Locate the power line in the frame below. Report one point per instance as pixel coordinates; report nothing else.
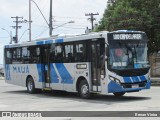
(55, 25)
(22, 35)
(70, 17)
(74, 25)
(41, 33)
(43, 9)
(41, 12)
(76, 22)
(73, 28)
(42, 26)
(50, 21)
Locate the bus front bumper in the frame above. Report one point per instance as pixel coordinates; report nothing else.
(114, 87)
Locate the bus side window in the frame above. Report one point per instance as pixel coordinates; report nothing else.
(38, 55)
(25, 55)
(31, 54)
(69, 53)
(80, 53)
(52, 53)
(17, 55)
(34, 54)
(14, 55)
(8, 56)
(58, 53)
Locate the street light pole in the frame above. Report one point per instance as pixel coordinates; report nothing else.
(10, 34)
(22, 35)
(64, 24)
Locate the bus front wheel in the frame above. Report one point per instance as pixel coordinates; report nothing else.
(119, 94)
(84, 90)
(30, 85)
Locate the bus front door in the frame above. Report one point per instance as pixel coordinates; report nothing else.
(46, 65)
(95, 66)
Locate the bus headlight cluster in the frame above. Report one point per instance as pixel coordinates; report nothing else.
(114, 79)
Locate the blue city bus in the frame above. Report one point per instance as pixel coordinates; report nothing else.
(95, 63)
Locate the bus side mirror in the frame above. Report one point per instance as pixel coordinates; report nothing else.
(107, 51)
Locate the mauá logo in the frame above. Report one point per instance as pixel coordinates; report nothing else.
(20, 69)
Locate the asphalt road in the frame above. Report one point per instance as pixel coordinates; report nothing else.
(15, 98)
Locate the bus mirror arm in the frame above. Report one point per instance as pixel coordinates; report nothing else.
(107, 44)
(106, 58)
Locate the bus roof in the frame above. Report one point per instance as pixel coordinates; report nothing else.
(67, 38)
(59, 39)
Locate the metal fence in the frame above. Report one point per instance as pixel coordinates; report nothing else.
(154, 60)
(155, 64)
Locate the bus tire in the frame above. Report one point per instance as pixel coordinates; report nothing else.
(30, 85)
(119, 94)
(84, 90)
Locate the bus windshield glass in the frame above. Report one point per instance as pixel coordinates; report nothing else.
(128, 54)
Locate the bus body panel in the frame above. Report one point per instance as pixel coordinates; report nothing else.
(64, 76)
(18, 73)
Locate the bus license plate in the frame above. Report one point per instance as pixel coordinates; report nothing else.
(135, 86)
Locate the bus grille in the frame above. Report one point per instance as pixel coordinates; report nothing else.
(129, 85)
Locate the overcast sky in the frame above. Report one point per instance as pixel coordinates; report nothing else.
(63, 12)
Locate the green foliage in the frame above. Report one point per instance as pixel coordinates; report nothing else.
(141, 15)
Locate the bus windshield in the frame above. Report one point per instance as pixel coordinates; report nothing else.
(128, 55)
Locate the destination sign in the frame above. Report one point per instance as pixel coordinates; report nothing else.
(127, 36)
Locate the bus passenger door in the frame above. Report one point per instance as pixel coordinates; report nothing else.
(96, 65)
(46, 65)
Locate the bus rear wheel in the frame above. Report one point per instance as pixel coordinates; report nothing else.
(30, 85)
(119, 94)
(84, 90)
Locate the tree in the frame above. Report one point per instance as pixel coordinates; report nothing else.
(141, 15)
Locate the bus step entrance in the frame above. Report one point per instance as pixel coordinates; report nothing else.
(95, 92)
(47, 88)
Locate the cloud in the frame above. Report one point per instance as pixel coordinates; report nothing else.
(13, 7)
(78, 7)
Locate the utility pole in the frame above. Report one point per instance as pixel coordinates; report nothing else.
(91, 18)
(50, 20)
(30, 37)
(17, 27)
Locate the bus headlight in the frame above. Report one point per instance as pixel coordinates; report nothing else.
(114, 79)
